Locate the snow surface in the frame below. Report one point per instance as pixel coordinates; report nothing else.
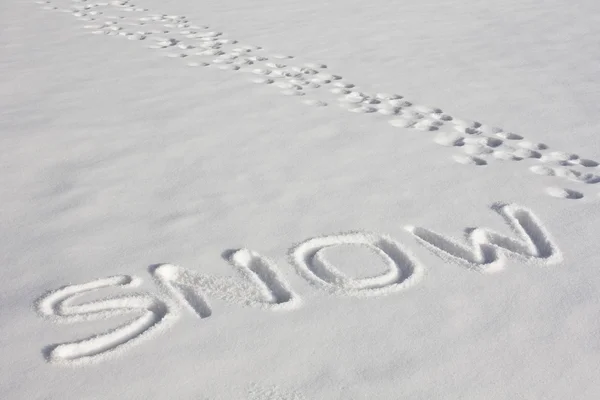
(194, 213)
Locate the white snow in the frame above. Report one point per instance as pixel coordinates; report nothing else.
(293, 200)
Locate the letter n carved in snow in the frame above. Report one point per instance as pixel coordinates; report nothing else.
(260, 285)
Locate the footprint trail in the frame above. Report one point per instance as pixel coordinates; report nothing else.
(200, 46)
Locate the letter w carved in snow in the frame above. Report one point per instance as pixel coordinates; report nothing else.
(260, 286)
(488, 250)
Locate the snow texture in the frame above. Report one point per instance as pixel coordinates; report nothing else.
(263, 200)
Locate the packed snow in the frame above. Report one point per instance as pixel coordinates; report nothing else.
(286, 200)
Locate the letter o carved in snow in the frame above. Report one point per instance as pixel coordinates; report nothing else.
(403, 270)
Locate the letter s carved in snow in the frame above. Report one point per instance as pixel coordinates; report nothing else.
(60, 306)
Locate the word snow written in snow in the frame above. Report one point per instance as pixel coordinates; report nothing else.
(260, 284)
